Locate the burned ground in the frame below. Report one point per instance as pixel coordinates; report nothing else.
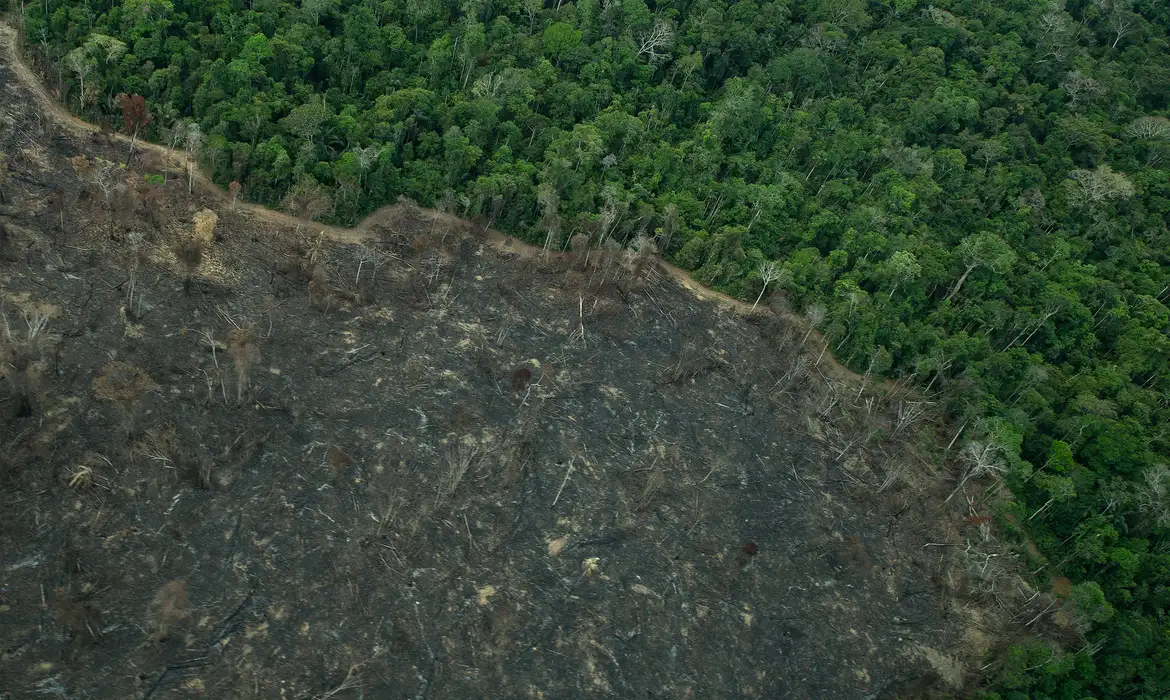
(416, 463)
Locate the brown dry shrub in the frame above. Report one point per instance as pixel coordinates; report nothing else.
(204, 225)
(244, 350)
(604, 307)
(338, 460)
(406, 216)
(189, 252)
(153, 200)
(190, 247)
(520, 378)
(80, 618)
(81, 167)
(641, 263)
(124, 385)
(579, 245)
(167, 609)
(124, 203)
(308, 199)
(320, 297)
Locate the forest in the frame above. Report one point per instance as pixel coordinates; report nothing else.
(968, 197)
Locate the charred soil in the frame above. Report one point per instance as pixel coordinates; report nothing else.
(243, 458)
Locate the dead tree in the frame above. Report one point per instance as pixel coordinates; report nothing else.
(135, 117)
(193, 142)
(769, 272)
(550, 219)
(3, 177)
(234, 190)
(106, 176)
(24, 357)
(671, 222)
(655, 43)
(123, 204)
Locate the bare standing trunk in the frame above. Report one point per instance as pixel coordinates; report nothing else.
(959, 284)
(769, 272)
(133, 141)
(20, 32)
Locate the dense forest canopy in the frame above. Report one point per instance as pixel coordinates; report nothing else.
(971, 195)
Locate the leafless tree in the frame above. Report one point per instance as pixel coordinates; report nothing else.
(352, 680)
(608, 217)
(1120, 19)
(367, 255)
(106, 176)
(488, 85)
(550, 218)
(135, 241)
(1154, 495)
(981, 457)
(670, 226)
(941, 17)
(234, 190)
(460, 457)
(24, 357)
(1080, 87)
(1057, 31)
(320, 296)
(167, 609)
(796, 372)
(1092, 188)
(3, 176)
(193, 141)
(82, 65)
(1149, 128)
(769, 272)
(909, 413)
(655, 42)
(366, 157)
(497, 208)
(878, 362)
(814, 316)
(189, 252)
(308, 200)
(824, 43)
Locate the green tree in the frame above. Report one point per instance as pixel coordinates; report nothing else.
(902, 268)
(306, 121)
(559, 39)
(982, 250)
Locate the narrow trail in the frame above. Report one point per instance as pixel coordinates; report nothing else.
(177, 158)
